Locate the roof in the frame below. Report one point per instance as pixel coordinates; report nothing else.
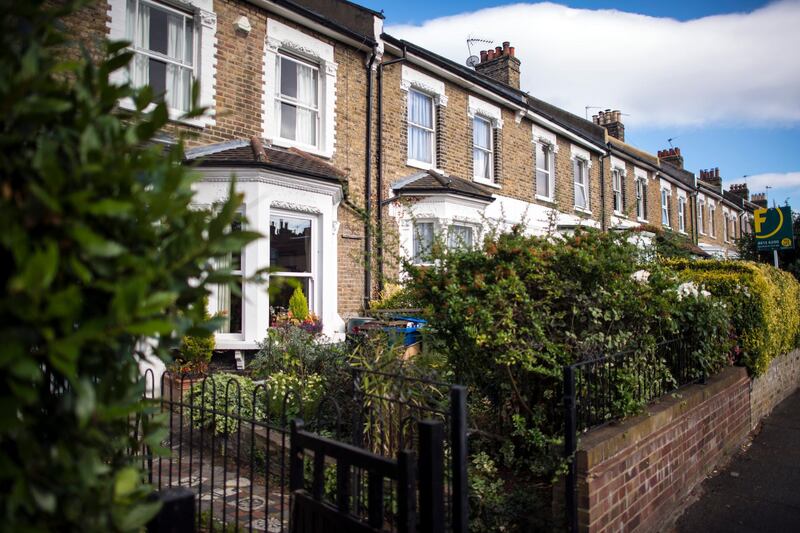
(256, 153)
(432, 182)
(626, 149)
(342, 16)
(573, 123)
(683, 176)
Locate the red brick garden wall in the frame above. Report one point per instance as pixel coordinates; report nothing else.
(634, 476)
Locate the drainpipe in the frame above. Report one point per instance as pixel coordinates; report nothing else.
(603, 187)
(368, 189)
(379, 163)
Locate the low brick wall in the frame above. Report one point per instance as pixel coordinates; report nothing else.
(633, 476)
(778, 382)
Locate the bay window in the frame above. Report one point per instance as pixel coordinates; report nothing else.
(421, 129)
(292, 252)
(581, 179)
(163, 42)
(544, 171)
(297, 100)
(482, 149)
(229, 296)
(422, 242)
(459, 237)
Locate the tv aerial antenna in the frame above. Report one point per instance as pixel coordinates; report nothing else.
(473, 60)
(670, 141)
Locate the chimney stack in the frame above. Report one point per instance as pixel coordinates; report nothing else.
(500, 64)
(740, 190)
(672, 156)
(760, 199)
(711, 177)
(612, 122)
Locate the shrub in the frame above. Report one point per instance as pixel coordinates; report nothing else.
(298, 305)
(764, 304)
(195, 351)
(219, 399)
(101, 250)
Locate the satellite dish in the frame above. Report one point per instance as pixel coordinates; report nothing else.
(472, 61)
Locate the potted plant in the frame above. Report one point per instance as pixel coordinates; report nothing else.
(190, 363)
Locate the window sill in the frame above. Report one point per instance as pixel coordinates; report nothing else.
(618, 214)
(420, 164)
(313, 150)
(546, 199)
(486, 183)
(583, 210)
(174, 114)
(642, 220)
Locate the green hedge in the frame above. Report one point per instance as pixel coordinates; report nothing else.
(764, 304)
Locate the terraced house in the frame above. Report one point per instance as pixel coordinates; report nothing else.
(354, 148)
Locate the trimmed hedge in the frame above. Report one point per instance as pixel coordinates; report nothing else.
(764, 301)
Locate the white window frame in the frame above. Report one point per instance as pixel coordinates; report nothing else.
(432, 130)
(490, 151)
(411, 79)
(641, 198)
(701, 226)
(456, 224)
(725, 226)
(205, 54)
(316, 252)
(214, 296)
(287, 41)
(280, 99)
(681, 213)
(617, 187)
(583, 165)
(414, 238)
(712, 208)
(666, 194)
(548, 152)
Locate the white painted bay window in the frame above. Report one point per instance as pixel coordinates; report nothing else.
(545, 187)
(482, 150)
(422, 242)
(163, 42)
(459, 237)
(581, 179)
(229, 297)
(292, 257)
(421, 128)
(297, 100)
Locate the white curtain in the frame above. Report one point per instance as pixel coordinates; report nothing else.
(423, 240)
(459, 237)
(138, 32)
(542, 171)
(224, 296)
(176, 96)
(580, 185)
(420, 141)
(306, 95)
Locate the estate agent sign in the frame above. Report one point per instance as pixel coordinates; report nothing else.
(773, 228)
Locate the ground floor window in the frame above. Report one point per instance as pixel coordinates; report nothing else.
(292, 253)
(229, 297)
(423, 242)
(459, 237)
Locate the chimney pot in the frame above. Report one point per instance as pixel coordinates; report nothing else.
(506, 44)
(511, 51)
(498, 51)
(484, 55)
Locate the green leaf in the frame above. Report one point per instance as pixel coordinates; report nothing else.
(111, 208)
(85, 401)
(137, 516)
(45, 500)
(95, 245)
(151, 327)
(126, 482)
(38, 271)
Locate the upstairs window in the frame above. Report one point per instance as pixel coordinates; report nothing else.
(544, 171)
(618, 186)
(297, 100)
(459, 237)
(701, 223)
(581, 179)
(682, 214)
(725, 226)
(163, 42)
(421, 129)
(711, 212)
(641, 199)
(665, 211)
(482, 150)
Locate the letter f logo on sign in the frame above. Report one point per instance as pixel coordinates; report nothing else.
(759, 217)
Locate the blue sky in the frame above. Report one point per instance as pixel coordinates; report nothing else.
(721, 78)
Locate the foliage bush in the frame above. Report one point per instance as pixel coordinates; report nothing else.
(298, 305)
(220, 399)
(196, 350)
(764, 303)
(512, 314)
(102, 254)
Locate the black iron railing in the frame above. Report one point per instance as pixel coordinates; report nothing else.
(604, 389)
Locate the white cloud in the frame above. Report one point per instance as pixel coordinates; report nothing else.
(725, 69)
(776, 180)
